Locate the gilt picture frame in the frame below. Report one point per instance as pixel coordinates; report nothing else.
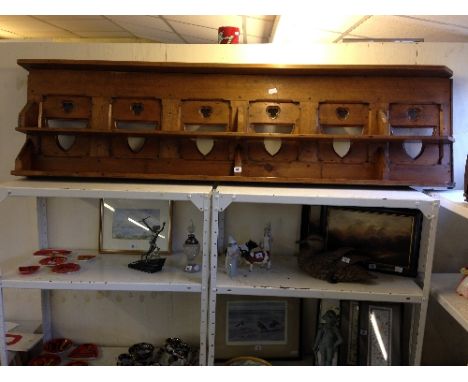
(122, 229)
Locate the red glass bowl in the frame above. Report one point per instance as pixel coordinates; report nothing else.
(28, 270)
(66, 268)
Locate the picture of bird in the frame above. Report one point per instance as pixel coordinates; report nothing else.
(340, 265)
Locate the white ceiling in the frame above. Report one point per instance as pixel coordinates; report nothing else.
(255, 29)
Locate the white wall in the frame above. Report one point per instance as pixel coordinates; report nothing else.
(17, 217)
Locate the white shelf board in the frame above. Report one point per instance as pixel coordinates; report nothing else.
(453, 201)
(105, 272)
(109, 189)
(328, 196)
(285, 279)
(443, 286)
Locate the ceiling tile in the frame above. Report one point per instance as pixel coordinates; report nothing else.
(209, 22)
(192, 31)
(394, 27)
(457, 21)
(151, 22)
(85, 25)
(117, 34)
(259, 29)
(307, 28)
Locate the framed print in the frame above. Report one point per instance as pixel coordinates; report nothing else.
(380, 334)
(124, 225)
(266, 327)
(390, 237)
(349, 323)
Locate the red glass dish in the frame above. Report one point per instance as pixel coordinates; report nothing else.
(52, 252)
(28, 270)
(45, 360)
(84, 351)
(66, 268)
(77, 363)
(85, 257)
(57, 345)
(53, 260)
(15, 338)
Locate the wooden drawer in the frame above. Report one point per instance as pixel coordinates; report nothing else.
(343, 114)
(209, 112)
(136, 109)
(274, 113)
(414, 115)
(66, 107)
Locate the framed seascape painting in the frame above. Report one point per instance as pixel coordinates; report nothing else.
(126, 225)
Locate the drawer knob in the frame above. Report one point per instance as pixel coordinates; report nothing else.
(67, 106)
(206, 111)
(414, 113)
(273, 111)
(137, 108)
(342, 113)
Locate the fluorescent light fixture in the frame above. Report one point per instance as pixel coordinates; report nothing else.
(142, 226)
(109, 207)
(311, 27)
(138, 224)
(376, 329)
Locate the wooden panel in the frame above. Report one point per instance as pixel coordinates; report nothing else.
(288, 152)
(343, 114)
(120, 148)
(51, 148)
(287, 113)
(66, 107)
(136, 109)
(205, 113)
(414, 115)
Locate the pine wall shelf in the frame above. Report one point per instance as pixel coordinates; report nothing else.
(355, 125)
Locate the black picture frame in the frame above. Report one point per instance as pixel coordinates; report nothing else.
(349, 325)
(231, 342)
(380, 334)
(390, 237)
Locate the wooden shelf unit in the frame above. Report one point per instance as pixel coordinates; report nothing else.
(260, 123)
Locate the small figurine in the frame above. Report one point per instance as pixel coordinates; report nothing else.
(327, 340)
(232, 257)
(153, 251)
(253, 254)
(191, 250)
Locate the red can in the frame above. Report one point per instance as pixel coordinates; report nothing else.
(228, 35)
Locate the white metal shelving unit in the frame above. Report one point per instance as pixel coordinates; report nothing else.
(444, 284)
(108, 273)
(285, 279)
(443, 290)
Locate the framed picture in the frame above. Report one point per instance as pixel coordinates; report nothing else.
(349, 323)
(266, 327)
(390, 237)
(125, 225)
(380, 334)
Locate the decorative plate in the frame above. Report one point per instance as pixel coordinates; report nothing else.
(84, 351)
(52, 252)
(77, 363)
(53, 261)
(247, 361)
(57, 345)
(66, 268)
(14, 338)
(28, 270)
(45, 360)
(85, 257)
